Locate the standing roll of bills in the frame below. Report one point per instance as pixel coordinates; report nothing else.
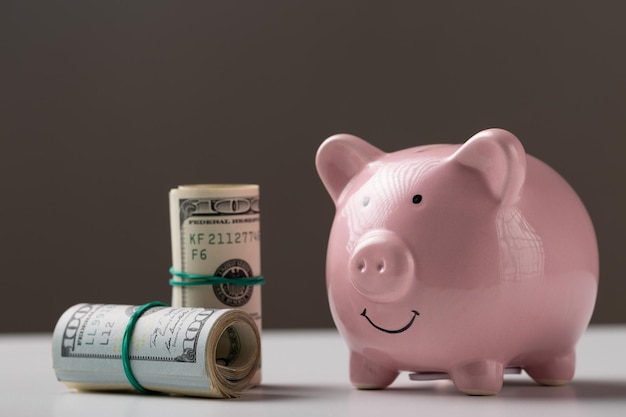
(191, 351)
(215, 231)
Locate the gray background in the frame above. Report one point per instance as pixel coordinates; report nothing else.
(106, 105)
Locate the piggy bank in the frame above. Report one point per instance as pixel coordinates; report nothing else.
(457, 260)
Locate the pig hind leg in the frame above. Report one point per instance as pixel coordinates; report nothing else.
(482, 377)
(558, 370)
(365, 374)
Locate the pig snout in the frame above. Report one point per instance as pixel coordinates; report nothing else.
(381, 266)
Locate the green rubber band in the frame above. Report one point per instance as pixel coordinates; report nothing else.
(196, 279)
(128, 333)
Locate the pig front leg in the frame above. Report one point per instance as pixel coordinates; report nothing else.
(483, 377)
(365, 374)
(558, 370)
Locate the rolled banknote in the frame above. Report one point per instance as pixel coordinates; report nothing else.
(216, 248)
(189, 351)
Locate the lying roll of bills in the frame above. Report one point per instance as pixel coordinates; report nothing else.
(190, 351)
(216, 248)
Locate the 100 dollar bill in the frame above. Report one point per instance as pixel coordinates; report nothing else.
(191, 351)
(215, 231)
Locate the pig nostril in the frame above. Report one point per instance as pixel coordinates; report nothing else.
(380, 266)
(361, 265)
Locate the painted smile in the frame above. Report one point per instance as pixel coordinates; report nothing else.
(415, 314)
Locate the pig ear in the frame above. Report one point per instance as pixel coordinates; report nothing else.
(500, 157)
(341, 157)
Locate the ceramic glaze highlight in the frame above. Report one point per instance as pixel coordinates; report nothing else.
(456, 259)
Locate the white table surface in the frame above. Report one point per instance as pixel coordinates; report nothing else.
(305, 373)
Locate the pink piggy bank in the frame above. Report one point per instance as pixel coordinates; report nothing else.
(463, 261)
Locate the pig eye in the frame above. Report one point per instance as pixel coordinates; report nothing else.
(417, 198)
